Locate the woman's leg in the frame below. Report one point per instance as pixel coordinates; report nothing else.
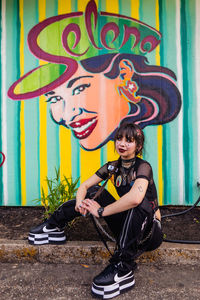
(116, 221)
(52, 230)
(137, 224)
(118, 276)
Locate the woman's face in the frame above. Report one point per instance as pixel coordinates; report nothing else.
(125, 148)
(89, 105)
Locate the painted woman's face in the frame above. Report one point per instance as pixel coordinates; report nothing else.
(89, 105)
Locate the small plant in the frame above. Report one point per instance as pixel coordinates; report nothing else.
(60, 191)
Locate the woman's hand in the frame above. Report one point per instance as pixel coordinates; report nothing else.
(91, 206)
(79, 208)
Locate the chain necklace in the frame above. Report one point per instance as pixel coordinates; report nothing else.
(126, 169)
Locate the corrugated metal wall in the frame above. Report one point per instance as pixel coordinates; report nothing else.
(34, 145)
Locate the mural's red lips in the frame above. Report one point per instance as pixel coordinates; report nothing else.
(84, 127)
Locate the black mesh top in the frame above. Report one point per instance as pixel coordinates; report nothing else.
(124, 178)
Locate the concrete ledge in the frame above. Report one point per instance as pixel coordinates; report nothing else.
(92, 253)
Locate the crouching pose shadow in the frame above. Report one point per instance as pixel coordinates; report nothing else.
(134, 219)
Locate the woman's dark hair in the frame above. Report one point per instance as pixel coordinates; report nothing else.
(132, 132)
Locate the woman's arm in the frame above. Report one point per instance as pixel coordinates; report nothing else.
(131, 199)
(82, 191)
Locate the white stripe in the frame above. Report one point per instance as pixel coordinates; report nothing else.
(180, 116)
(197, 65)
(123, 229)
(4, 99)
(126, 227)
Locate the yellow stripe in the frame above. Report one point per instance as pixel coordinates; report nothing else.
(135, 9)
(82, 5)
(64, 133)
(64, 7)
(112, 6)
(22, 122)
(112, 155)
(160, 169)
(90, 163)
(42, 10)
(43, 117)
(65, 152)
(160, 129)
(89, 160)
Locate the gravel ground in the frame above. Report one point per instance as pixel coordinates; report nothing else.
(71, 282)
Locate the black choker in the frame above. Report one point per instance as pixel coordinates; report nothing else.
(128, 163)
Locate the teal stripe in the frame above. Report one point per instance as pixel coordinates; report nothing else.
(103, 155)
(13, 107)
(53, 143)
(186, 134)
(75, 163)
(1, 168)
(74, 5)
(150, 152)
(195, 118)
(170, 142)
(101, 5)
(147, 15)
(191, 109)
(18, 156)
(125, 7)
(51, 8)
(166, 162)
(31, 112)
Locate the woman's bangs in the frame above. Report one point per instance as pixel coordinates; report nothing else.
(129, 134)
(125, 132)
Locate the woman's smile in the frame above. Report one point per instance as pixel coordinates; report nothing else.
(84, 127)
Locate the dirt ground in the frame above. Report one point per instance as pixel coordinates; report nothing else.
(15, 223)
(73, 282)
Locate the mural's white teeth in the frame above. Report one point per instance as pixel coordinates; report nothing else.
(84, 127)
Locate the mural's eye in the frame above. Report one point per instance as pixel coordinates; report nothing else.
(77, 90)
(54, 99)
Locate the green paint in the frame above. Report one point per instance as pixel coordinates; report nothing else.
(76, 161)
(186, 135)
(166, 162)
(124, 7)
(12, 109)
(170, 142)
(31, 113)
(191, 107)
(53, 142)
(167, 18)
(1, 168)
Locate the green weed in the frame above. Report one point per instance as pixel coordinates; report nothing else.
(59, 191)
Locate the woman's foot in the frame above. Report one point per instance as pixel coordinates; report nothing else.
(112, 281)
(46, 233)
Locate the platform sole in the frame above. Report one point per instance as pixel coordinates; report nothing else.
(113, 290)
(47, 238)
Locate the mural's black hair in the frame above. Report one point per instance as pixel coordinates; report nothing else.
(97, 64)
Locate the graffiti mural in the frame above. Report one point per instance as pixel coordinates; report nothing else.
(98, 60)
(2, 158)
(80, 67)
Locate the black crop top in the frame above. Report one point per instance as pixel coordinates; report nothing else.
(124, 178)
